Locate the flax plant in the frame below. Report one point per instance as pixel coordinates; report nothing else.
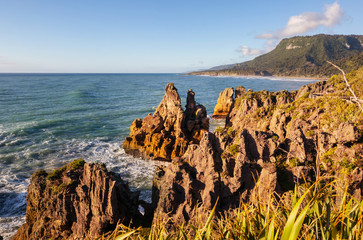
(308, 212)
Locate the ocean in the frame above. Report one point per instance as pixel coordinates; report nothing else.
(47, 120)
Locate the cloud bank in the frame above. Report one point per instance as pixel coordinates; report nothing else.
(300, 24)
(308, 21)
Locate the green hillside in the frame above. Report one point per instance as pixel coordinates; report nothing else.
(303, 56)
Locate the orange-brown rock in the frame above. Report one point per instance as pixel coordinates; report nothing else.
(168, 132)
(224, 103)
(196, 180)
(78, 201)
(272, 141)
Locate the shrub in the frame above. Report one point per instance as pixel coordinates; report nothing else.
(77, 163)
(219, 129)
(56, 174)
(233, 149)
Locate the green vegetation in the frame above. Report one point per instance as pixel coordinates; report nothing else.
(337, 111)
(219, 129)
(233, 148)
(310, 133)
(56, 174)
(40, 173)
(302, 56)
(231, 132)
(57, 189)
(308, 212)
(327, 156)
(347, 166)
(77, 163)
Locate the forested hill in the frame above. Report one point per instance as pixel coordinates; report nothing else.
(302, 56)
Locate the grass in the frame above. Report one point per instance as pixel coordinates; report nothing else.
(309, 212)
(233, 149)
(77, 163)
(57, 173)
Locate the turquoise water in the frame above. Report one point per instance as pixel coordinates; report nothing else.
(46, 120)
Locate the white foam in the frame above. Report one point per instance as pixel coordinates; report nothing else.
(9, 226)
(138, 172)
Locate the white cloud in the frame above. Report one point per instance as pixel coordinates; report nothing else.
(300, 24)
(308, 21)
(246, 51)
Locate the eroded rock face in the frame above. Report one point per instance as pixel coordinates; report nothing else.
(224, 103)
(204, 175)
(272, 141)
(261, 105)
(77, 201)
(168, 132)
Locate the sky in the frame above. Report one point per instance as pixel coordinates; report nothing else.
(157, 36)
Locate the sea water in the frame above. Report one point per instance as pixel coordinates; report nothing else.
(47, 120)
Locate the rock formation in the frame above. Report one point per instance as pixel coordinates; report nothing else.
(208, 172)
(77, 201)
(168, 132)
(224, 103)
(226, 100)
(272, 141)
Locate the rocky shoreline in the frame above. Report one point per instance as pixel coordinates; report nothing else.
(271, 142)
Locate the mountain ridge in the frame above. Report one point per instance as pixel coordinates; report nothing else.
(300, 56)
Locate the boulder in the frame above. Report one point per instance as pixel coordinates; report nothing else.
(168, 132)
(346, 133)
(78, 201)
(239, 92)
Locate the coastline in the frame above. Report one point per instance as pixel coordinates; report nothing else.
(259, 76)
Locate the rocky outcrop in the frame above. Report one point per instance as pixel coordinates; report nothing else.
(168, 132)
(272, 141)
(226, 100)
(224, 103)
(78, 201)
(315, 89)
(253, 110)
(211, 171)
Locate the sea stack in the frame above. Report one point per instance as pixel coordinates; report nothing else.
(78, 201)
(168, 132)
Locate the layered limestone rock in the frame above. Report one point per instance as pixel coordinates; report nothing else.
(208, 172)
(224, 103)
(272, 141)
(168, 132)
(226, 100)
(260, 105)
(78, 201)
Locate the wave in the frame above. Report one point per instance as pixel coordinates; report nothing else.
(15, 176)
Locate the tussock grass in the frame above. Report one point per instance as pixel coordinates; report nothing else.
(309, 212)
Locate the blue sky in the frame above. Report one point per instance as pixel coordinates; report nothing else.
(116, 36)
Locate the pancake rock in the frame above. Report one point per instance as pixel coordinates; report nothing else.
(272, 141)
(224, 103)
(168, 132)
(78, 201)
(208, 172)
